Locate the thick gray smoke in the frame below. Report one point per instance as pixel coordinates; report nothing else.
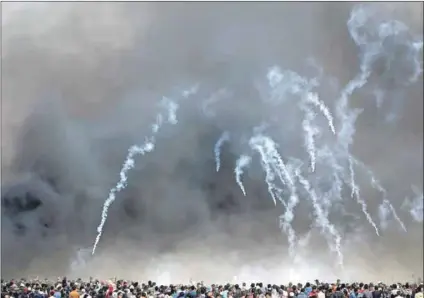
(83, 82)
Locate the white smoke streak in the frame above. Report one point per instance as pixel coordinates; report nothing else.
(129, 163)
(274, 166)
(310, 132)
(225, 137)
(284, 83)
(377, 185)
(356, 194)
(266, 165)
(241, 164)
(322, 220)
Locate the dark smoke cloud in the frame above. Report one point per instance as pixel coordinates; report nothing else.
(80, 85)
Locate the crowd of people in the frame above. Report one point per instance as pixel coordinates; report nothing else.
(65, 288)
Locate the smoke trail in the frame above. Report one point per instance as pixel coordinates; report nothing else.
(283, 83)
(225, 137)
(129, 163)
(274, 166)
(241, 164)
(322, 220)
(347, 119)
(314, 99)
(376, 185)
(369, 51)
(269, 154)
(356, 194)
(310, 133)
(287, 217)
(288, 82)
(269, 174)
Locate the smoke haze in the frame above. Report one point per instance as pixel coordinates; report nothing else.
(81, 83)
